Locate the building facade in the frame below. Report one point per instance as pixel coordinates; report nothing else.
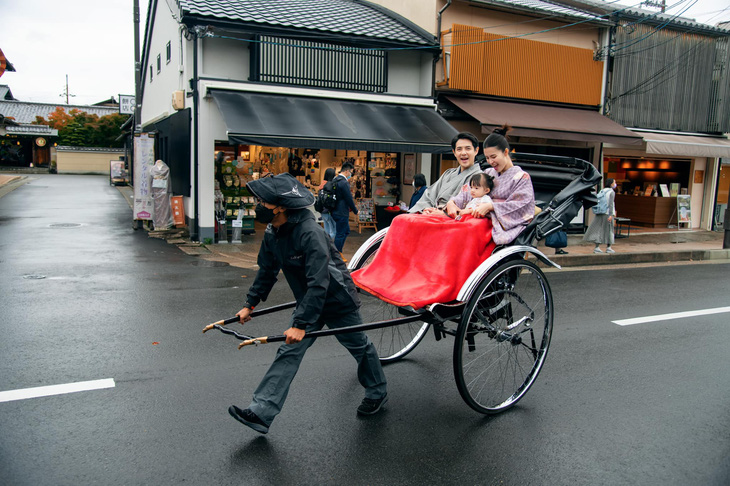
(232, 90)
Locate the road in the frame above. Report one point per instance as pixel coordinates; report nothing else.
(645, 403)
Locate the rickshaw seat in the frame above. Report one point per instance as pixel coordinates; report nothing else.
(425, 259)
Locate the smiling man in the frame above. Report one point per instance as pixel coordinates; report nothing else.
(464, 146)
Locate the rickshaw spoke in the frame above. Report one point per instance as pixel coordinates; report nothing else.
(512, 300)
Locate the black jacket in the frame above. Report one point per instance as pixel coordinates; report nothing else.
(311, 265)
(345, 202)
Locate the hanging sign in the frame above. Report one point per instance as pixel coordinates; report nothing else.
(126, 104)
(144, 159)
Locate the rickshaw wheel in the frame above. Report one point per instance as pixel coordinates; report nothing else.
(395, 342)
(503, 337)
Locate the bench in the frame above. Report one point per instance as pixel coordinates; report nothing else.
(622, 223)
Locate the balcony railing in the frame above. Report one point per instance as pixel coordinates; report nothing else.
(316, 64)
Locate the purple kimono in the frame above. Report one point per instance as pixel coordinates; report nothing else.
(513, 200)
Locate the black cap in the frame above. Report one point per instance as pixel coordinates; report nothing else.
(282, 190)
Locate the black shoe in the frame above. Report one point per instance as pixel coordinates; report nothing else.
(247, 417)
(560, 251)
(370, 406)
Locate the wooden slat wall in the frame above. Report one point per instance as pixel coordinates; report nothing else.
(519, 68)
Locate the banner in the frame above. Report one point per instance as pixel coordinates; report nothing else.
(144, 159)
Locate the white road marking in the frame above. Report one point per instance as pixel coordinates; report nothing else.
(45, 391)
(676, 315)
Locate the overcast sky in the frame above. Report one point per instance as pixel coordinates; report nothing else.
(93, 42)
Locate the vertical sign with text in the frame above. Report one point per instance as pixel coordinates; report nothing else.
(144, 159)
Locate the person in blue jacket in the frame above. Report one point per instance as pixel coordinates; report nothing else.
(345, 204)
(419, 182)
(324, 291)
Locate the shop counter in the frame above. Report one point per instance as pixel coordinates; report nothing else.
(653, 212)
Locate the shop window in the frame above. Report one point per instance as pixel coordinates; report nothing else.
(305, 63)
(168, 53)
(150, 73)
(159, 64)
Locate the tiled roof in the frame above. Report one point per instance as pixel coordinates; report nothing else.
(25, 112)
(647, 16)
(5, 93)
(344, 17)
(545, 8)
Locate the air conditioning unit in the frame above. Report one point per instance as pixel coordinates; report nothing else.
(178, 100)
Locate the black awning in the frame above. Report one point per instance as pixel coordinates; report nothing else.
(325, 123)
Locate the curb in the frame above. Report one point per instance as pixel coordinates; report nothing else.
(638, 257)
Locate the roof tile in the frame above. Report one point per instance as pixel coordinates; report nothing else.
(349, 17)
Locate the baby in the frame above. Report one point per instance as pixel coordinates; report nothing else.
(481, 184)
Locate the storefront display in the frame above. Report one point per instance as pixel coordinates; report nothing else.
(383, 170)
(234, 204)
(375, 179)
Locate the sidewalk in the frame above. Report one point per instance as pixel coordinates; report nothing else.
(645, 245)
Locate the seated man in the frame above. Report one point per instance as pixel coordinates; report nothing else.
(453, 181)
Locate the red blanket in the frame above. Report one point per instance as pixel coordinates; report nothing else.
(425, 259)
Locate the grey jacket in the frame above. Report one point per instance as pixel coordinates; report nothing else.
(448, 186)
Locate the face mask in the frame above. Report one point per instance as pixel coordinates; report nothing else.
(263, 214)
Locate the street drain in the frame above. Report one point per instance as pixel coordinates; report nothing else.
(209, 263)
(34, 277)
(64, 225)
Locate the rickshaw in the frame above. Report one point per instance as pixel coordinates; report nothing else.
(502, 318)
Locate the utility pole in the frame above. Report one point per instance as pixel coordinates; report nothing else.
(137, 71)
(65, 93)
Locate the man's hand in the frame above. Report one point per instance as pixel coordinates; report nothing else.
(610, 219)
(244, 315)
(294, 335)
(482, 210)
(452, 209)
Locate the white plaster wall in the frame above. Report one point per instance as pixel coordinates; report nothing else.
(697, 191)
(211, 128)
(409, 73)
(420, 12)
(225, 59)
(157, 98)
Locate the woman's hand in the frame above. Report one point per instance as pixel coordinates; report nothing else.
(482, 210)
(431, 211)
(452, 209)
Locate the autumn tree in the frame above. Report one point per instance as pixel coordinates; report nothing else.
(80, 129)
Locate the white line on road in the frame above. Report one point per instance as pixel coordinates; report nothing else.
(45, 391)
(676, 315)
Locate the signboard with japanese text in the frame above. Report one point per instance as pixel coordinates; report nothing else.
(144, 159)
(126, 104)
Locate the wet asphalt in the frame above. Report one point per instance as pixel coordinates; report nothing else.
(86, 297)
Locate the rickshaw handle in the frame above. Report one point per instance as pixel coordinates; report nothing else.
(339, 330)
(257, 313)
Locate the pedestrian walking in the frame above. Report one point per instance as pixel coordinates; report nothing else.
(345, 204)
(600, 231)
(329, 223)
(324, 291)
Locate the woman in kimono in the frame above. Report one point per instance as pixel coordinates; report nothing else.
(513, 198)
